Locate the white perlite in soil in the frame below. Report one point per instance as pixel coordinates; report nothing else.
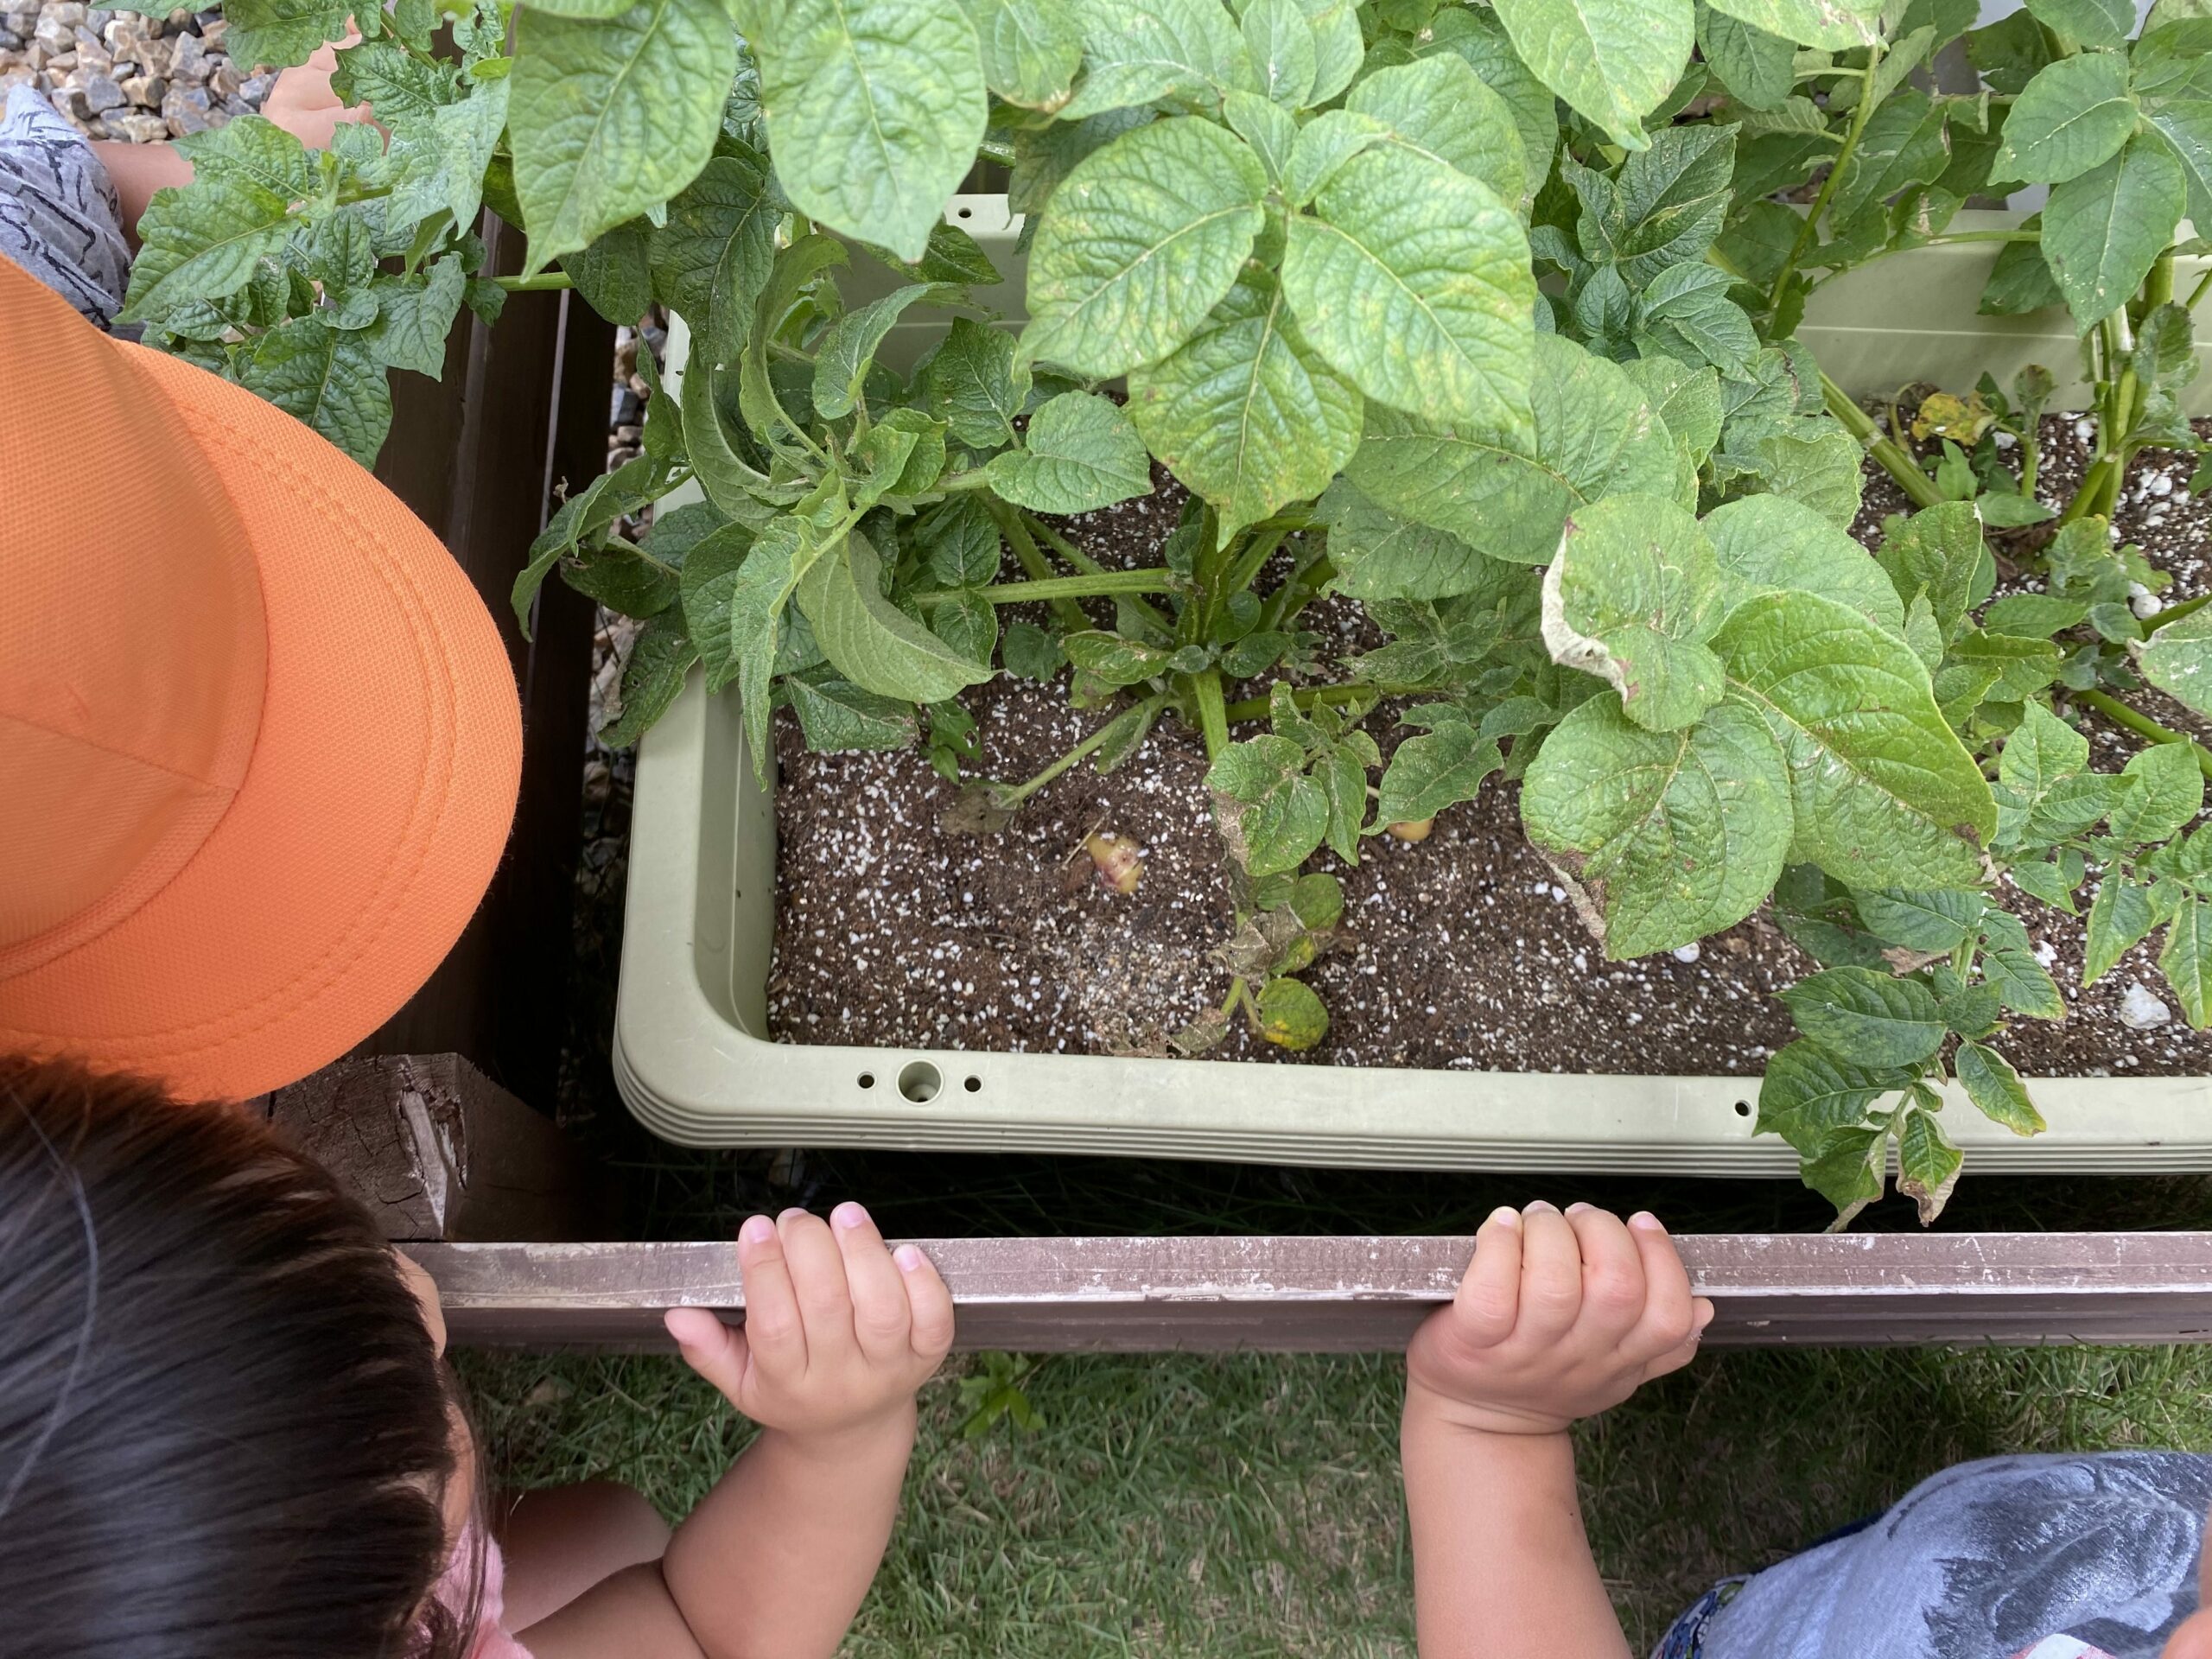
(123, 76)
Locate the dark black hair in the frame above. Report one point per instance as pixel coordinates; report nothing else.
(224, 1432)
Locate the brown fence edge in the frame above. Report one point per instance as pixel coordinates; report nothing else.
(1360, 1294)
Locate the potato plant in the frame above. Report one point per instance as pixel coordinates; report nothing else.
(1480, 316)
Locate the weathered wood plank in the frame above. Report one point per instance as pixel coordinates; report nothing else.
(1347, 1295)
(439, 1152)
(522, 407)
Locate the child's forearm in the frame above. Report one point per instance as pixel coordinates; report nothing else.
(1502, 1565)
(138, 170)
(774, 1563)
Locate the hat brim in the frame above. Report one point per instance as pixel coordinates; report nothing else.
(371, 815)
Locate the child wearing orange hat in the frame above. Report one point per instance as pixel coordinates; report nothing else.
(262, 744)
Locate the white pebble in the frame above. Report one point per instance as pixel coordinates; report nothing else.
(2085, 430)
(1559, 895)
(2006, 441)
(2142, 600)
(2140, 1011)
(1690, 952)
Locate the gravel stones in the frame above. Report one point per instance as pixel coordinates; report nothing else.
(127, 76)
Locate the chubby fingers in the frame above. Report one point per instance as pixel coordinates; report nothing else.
(1551, 1275)
(1489, 1298)
(882, 1318)
(817, 1271)
(1615, 1293)
(775, 1335)
(714, 1349)
(929, 1303)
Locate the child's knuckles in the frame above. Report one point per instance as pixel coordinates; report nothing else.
(1615, 1292)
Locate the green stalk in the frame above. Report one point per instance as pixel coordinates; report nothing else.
(1213, 714)
(1247, 568)
(2099, 486)
(1809, 230)
(2175, 613)
(2197, 293)
(1082, 561)
(1015, 797)
(1050, 588)
(2142, 725)
(2158, 286)
(1894, 460)
(545, 282)
(1307, 696)
(1065, 611)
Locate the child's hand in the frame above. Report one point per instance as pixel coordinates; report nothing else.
(1559, 1316)
(838, 1334)
(301, 102)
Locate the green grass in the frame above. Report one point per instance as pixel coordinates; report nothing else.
(1249, 1505)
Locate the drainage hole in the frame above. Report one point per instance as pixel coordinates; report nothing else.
(920, 1081)
(973, 1085)
(1742, 1109)
(967, 213)
(868, 1079)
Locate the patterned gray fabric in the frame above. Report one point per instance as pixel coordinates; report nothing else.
(58, 217)
(1987, 1560)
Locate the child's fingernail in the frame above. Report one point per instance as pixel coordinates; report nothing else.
(1576, 1209)
(758, 1231)
(908, 1258)
(1539, 1208)
(1505, 1216)
(795, 1210)
(1644, 1221)
(849, 1215)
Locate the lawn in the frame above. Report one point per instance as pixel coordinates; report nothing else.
(1249, 1505)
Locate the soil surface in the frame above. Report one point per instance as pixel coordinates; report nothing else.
(1459, 951)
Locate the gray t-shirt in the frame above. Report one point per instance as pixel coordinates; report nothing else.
(58, 217)
(2048, 1555)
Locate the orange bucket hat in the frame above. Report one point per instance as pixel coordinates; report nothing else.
(258, 735)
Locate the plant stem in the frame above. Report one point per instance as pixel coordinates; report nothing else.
(1894, 460)
(1809, 230)
(1213, 714)
(2197, 293)
(545, 282)
(2175, 613)
(2158, 286)
(1015, 797)
(2142, 725)
(1065, 611)
(1306, 697)
(1256, 554)
(1082, 561)
(1091, 585)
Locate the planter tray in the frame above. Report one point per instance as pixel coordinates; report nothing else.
(692, 1058)
(691, 1053)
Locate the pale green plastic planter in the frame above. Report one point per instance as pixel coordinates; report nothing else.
(692, 1059)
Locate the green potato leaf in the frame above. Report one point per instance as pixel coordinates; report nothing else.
(610, 116)
(1380, 556)
(1928, 1164)
(2074, 115)
(1434, 770)
(651, 678)
(1081, 455)
(1271, 815)
(2120, 917)
(1838, 25)
(1808, 1096)
(710, 261)
(837, 715)
(1996, 1090)
(1291, 1015)
(2086, 23)
(1613, 60)
(1757, 69)
(2167, 794)
(1509, 490)
(1412, 281)
(1138, 52)
(327, 376)
(1146, 237)
(1672, 835)
(1768, 542)
(875, 109)
(974, 383)
(1884, 793)
(203, 243)
(1031, 49)
(1867, 1018)
(2178, 659)
(2103, 229)
(1940, 918)
(2186, 961)
(869, 640)
(1244, 412)
(1632, 596)
(280, 33)
(2009, 962)
(1440, 110)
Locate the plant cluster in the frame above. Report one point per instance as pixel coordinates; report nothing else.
(1480, 316)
